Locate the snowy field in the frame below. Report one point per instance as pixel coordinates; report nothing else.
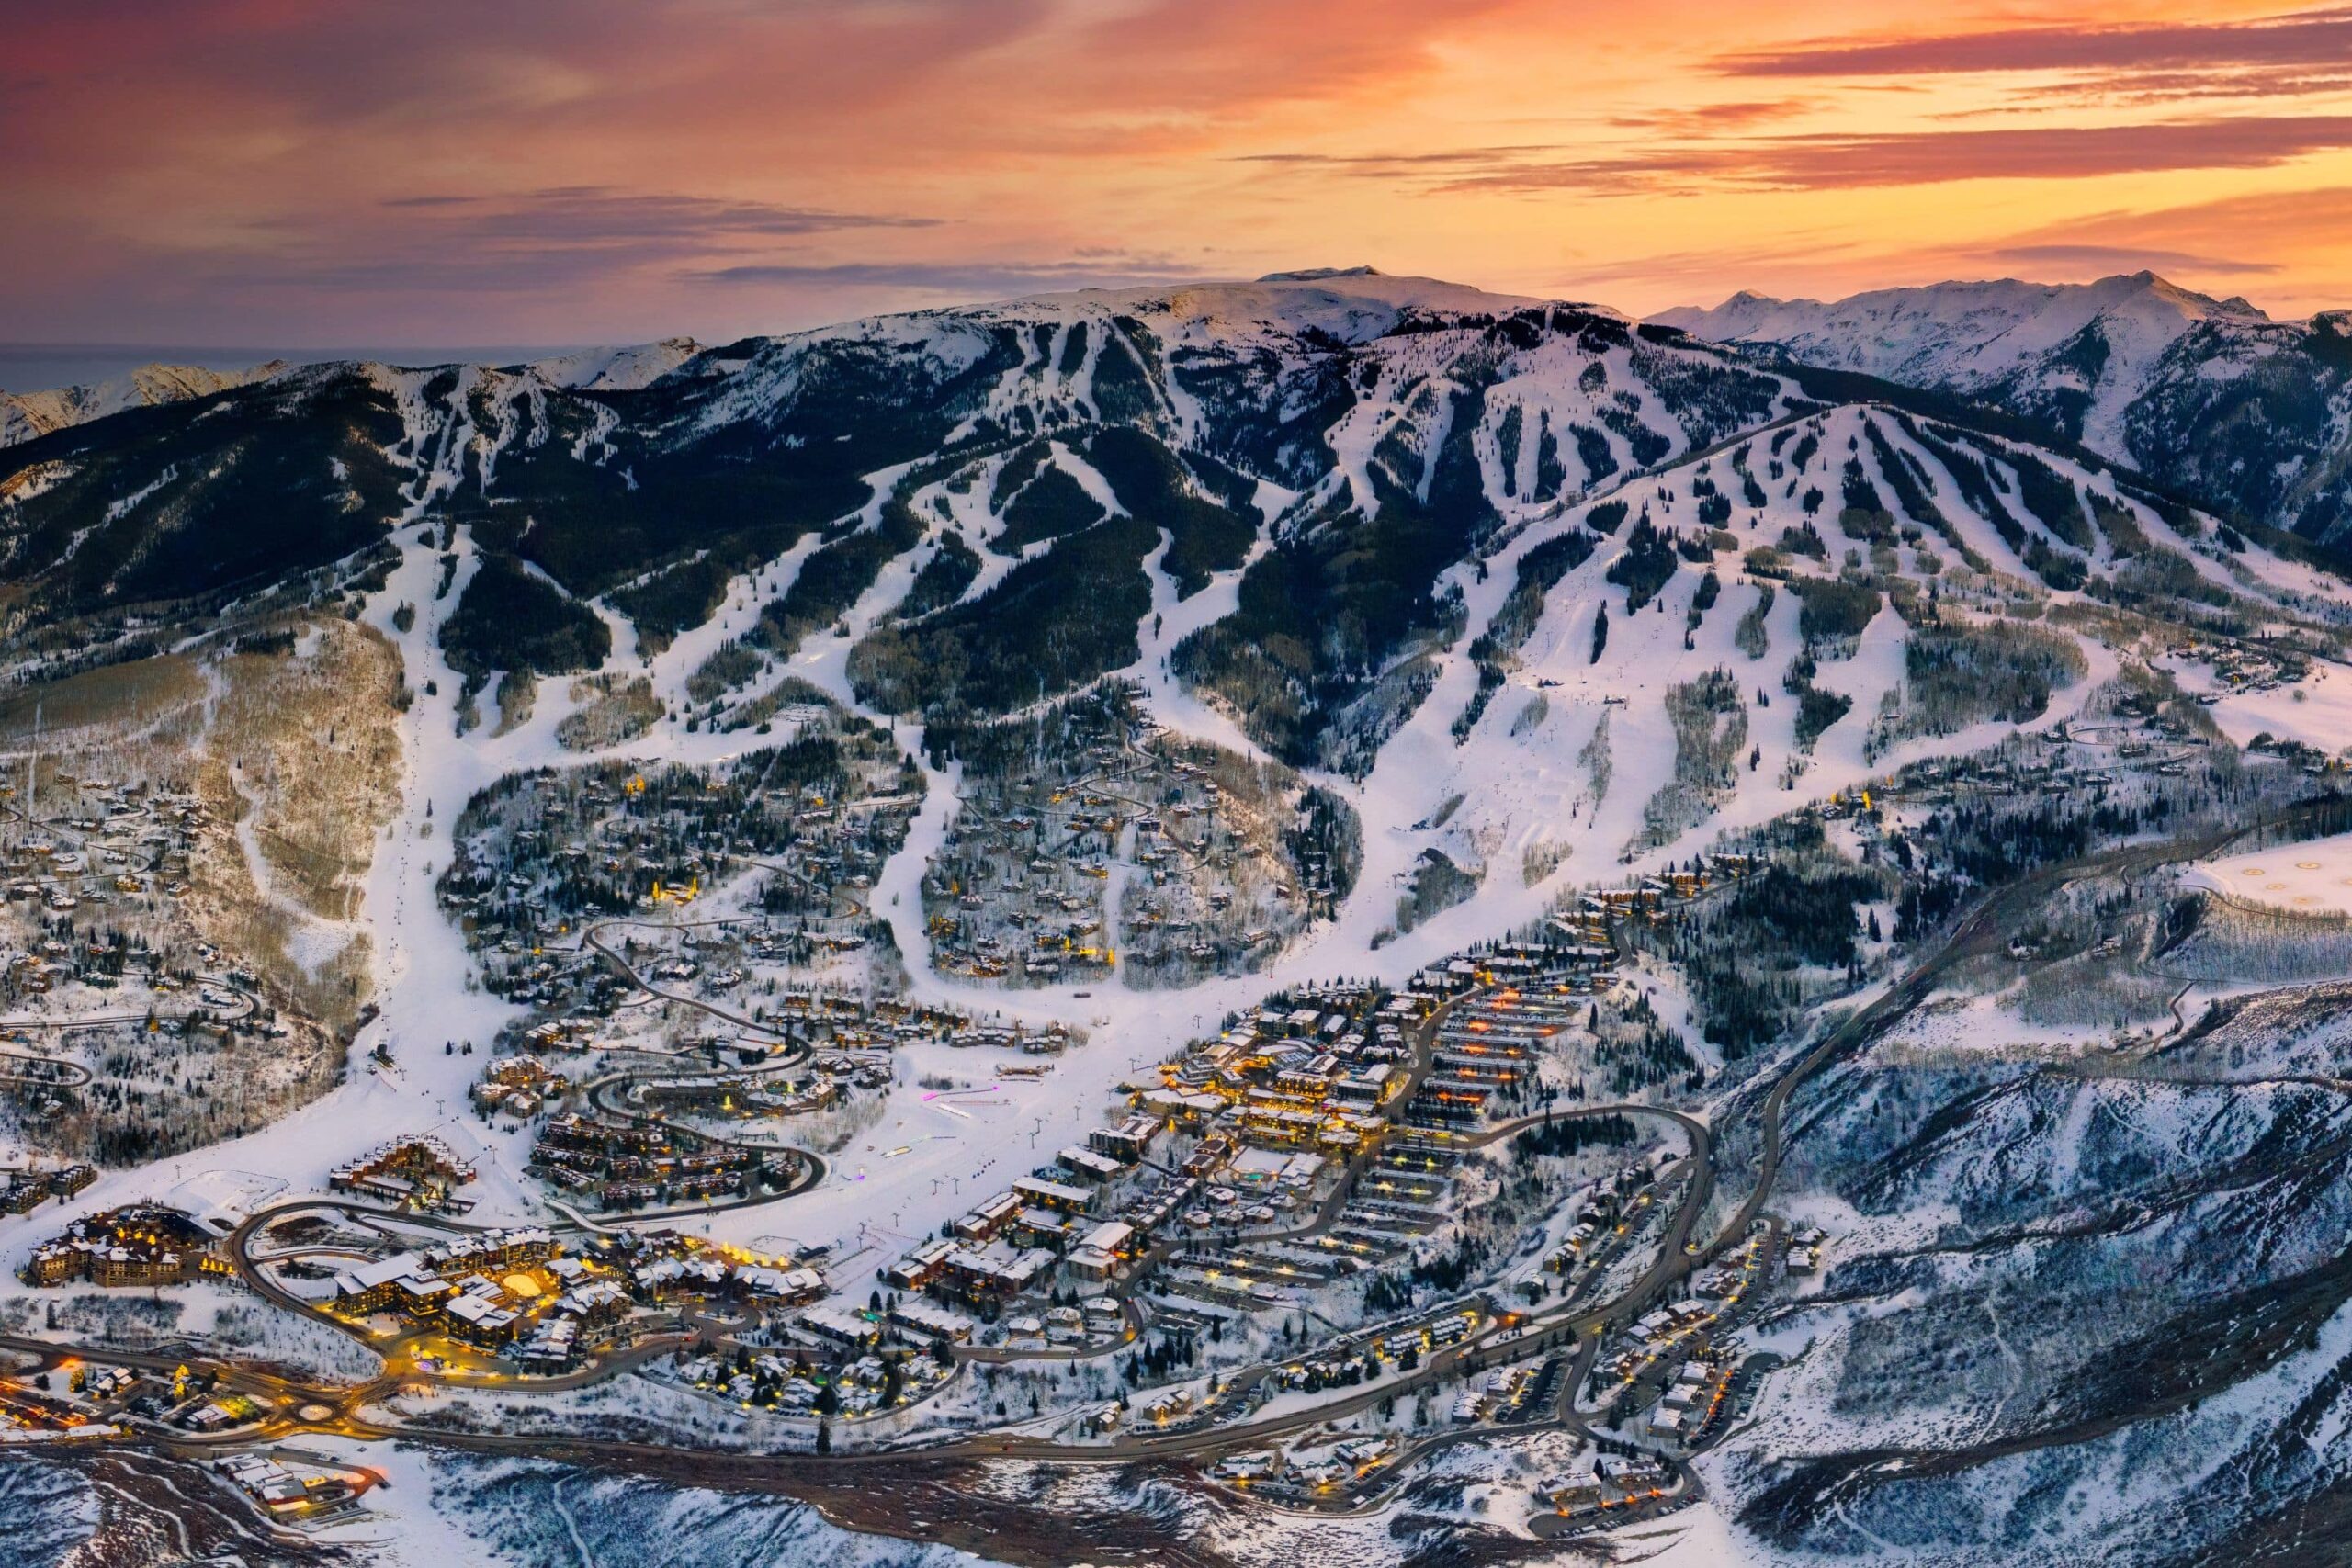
(2316, 711)
(2313, 878)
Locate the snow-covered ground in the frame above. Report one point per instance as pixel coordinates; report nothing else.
(2316, 711)
(1551, 788)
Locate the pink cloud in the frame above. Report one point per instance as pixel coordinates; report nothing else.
(1832, 162)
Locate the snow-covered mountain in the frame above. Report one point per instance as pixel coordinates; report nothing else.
(1482, 604)
(1368, 431)
(1309, 511)
(2211, 395)
(1339, 440)
(1969, 336)
(25, 415)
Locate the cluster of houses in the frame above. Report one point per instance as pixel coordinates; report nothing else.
(1677, 1349)
(419, 1172)
(629, 1164)
(1022, 1239)
(1499, 1392)
(501, 1291)
(1803, 1254)
(1605, 1482)
(23, 1191)
(311, 1496)
(1694, 1395)
(101, 1396)
(1022, 888)
(2245, 666)
(118, 827)
(1346, 1365)
(664, 1266)
(1600, 1207)
(421, 1286)
(1312, 1070)
(856, 1383)
(1587, 925)
(835, 1021)
(1487, 1048)
(520, 1293)
(43, 968)
(521, 1085)
(553, 1035)
(1091, 1320)
(754, 1095)
(1325, 1068)
(848, 1034)
(562, 847)
(1272, 1110)
(1318, 1467)
(1659, 1333)
(138, 1247)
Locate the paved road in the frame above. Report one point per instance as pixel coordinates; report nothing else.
(251, 1005)
(590, 938)
(45, 1072)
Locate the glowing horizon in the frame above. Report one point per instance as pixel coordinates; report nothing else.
(264, 172)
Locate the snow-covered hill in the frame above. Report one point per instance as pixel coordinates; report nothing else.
(1430, 414)
(615, 369)
(30, 414)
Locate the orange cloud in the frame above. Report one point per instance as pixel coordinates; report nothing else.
(2293, 41)
(286, 171)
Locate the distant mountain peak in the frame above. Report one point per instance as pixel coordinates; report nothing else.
(2132, 364)
(1972, 294)
(2077, 352)
(30, 414)
(1321, 274)
(1351, 304)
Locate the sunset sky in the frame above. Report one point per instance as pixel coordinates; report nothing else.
(302, 173)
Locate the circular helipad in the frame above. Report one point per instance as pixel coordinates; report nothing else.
(2312, 883)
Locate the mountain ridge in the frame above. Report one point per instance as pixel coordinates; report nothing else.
(2209, 395)
(1358, 300)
